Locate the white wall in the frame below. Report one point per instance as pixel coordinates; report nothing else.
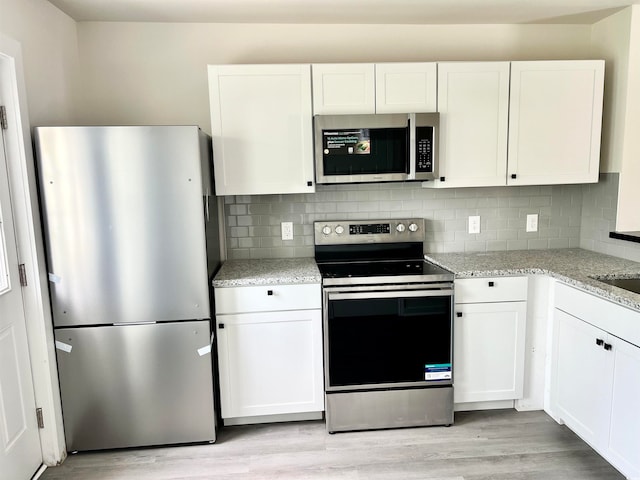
(628, 218)
(38, 45)
(156, 73)
(610, 40)
(50, 55)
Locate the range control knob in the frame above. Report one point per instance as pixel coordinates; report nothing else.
(326, 229)
(400, 228)
(413, 227)
(339, 229)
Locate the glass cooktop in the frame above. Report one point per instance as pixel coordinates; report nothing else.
(418, 270)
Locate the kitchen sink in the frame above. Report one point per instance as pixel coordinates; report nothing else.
(631, 284)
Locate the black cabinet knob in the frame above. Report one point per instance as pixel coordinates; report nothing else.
(458, 314)
(599, 342)
(442, 179)
(309, 184)
(492, 284)
(269, 292)
(221, 326)
(513, 175)
(607, 346)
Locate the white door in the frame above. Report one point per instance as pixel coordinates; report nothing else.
(584, 376)
(270, 363)
(555, 120)
(405, 87)
(473, 101)
(343, 88)
(20, 454)
(489, 350)
(262, 129)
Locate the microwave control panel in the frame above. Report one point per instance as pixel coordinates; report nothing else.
(424, 149)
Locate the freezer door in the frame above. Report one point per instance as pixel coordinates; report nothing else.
(136, 385)
(124, 217)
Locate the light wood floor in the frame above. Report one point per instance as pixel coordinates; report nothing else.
(496, 445)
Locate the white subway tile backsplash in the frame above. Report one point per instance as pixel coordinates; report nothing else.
(569, 216)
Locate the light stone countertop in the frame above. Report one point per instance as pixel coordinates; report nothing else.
(573, 266)
(277, 271)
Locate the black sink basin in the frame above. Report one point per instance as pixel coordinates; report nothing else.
(630, 284)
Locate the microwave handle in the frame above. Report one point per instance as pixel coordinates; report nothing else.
(412, 147)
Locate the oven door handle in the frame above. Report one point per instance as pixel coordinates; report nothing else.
(394, 294)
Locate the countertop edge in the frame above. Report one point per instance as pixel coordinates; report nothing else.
(612, 296)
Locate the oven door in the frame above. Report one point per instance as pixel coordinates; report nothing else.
(379, 337)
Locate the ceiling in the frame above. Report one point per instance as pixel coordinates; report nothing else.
(344, 11)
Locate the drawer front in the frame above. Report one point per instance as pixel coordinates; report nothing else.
(491, 289)
(267, 298)
(608, 316)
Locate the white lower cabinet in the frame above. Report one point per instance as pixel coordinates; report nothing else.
(489, 351)
(489, 339)
(583, 378)
(595, 385)
(270, 362)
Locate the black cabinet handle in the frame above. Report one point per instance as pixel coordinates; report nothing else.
(221, 326)
(309, 184)
(442, 179)
(458, 314)
(269, 292)
(492, 284)
(513, 175)
(607, 346)
(599, 342)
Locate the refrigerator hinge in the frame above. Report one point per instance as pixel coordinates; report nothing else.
(3, 118)
(23, 275)
(40, 417)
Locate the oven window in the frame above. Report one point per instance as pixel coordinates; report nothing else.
(386, 153)
(382, 340)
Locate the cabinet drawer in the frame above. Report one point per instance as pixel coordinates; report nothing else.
(494, 289)
(610, 317)
(267, 298)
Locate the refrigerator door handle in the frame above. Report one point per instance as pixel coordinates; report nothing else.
(124, 324)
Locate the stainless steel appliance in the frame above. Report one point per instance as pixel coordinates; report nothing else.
(387, 326)
(376, 148)
(129, 214)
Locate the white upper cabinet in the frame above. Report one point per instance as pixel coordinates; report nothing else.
(555, 119)
(261, 124)
(405, 87)
(473, 101)
(343, 88)
(361, 88)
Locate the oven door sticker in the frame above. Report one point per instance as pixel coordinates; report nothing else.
(437, 371)
(346, 142)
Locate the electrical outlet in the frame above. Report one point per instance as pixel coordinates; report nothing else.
(287, 230)
(532, 222)
(474, 224)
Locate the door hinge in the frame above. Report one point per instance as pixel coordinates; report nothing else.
(3, 118)
(40, 417)
(23, 275)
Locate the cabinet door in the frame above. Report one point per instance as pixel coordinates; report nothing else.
(555, 119)
(405, 87)
(270, 363)
(489, 341)
(473, 101)
(624, 435)
(581, 389)
(261, 125)
(343, 88)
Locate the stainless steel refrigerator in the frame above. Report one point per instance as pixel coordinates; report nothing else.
(132, 241)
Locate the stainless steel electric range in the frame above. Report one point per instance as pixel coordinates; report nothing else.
(387, 318)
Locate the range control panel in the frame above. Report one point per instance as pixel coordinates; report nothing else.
(368, 231)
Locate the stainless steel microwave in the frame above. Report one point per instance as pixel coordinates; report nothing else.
(376, 147)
